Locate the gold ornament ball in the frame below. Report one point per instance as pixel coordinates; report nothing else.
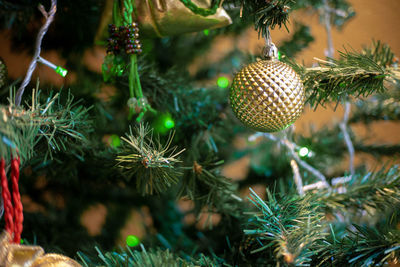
(267, 95)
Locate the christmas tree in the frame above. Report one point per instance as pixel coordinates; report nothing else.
(163, 142)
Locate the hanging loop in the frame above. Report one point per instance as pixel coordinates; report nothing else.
(270, 51)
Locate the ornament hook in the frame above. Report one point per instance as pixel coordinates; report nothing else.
(270, 51)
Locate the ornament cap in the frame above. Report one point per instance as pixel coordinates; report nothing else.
(270, 52)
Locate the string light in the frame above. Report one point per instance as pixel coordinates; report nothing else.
(222, 82)
(60, 70)
(132, 240)
(169, 123)
(163, 123)
(304, 151)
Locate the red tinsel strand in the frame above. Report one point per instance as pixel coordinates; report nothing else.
(18, 214)
(5, 193)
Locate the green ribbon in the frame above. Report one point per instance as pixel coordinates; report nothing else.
(201, 11)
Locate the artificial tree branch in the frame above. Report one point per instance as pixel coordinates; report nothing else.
(330, 53)
(327, 23)
(43, 30)
(346, 136)
(291, 146)
(297, 177)
(317, 185)
(335, 182)
(304, 164)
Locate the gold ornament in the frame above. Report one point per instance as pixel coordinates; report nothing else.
(55, 260)
(167, 17)
(15, 255)
(267, 95)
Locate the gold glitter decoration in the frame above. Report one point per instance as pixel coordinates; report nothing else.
(267, 95)
(167, 18)
(20, 255)
(55, 260)
(14, 255)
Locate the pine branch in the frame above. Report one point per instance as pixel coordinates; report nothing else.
(293, 228)
(361, 246)
(152, 258)
(380, 53)
(267, 14)
(272, 13)
(148, 161)
(44, 128)
(292, 149)
(375, 191)
(377, 107)
(288, 227)
(202, 184)
(327, 148)
(354, 74)
(200, 113)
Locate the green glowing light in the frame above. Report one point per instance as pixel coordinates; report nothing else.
(120, 72)
(169, 123)
(223, 82)
(22, 241)
(115, 141)
(206, 32)
(60, 70)
(132, 240)
(163, 123)
(279, 55)
(303, 152)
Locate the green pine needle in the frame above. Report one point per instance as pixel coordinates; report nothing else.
(361, 246)
(354, 74)
(268, 14)
(148, 161)
(151, 258)
(208, 189)
(43, 129)
(288, 227)
(375, 191)
(377, 107)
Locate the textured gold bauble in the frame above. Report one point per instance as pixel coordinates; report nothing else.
(267, 95)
